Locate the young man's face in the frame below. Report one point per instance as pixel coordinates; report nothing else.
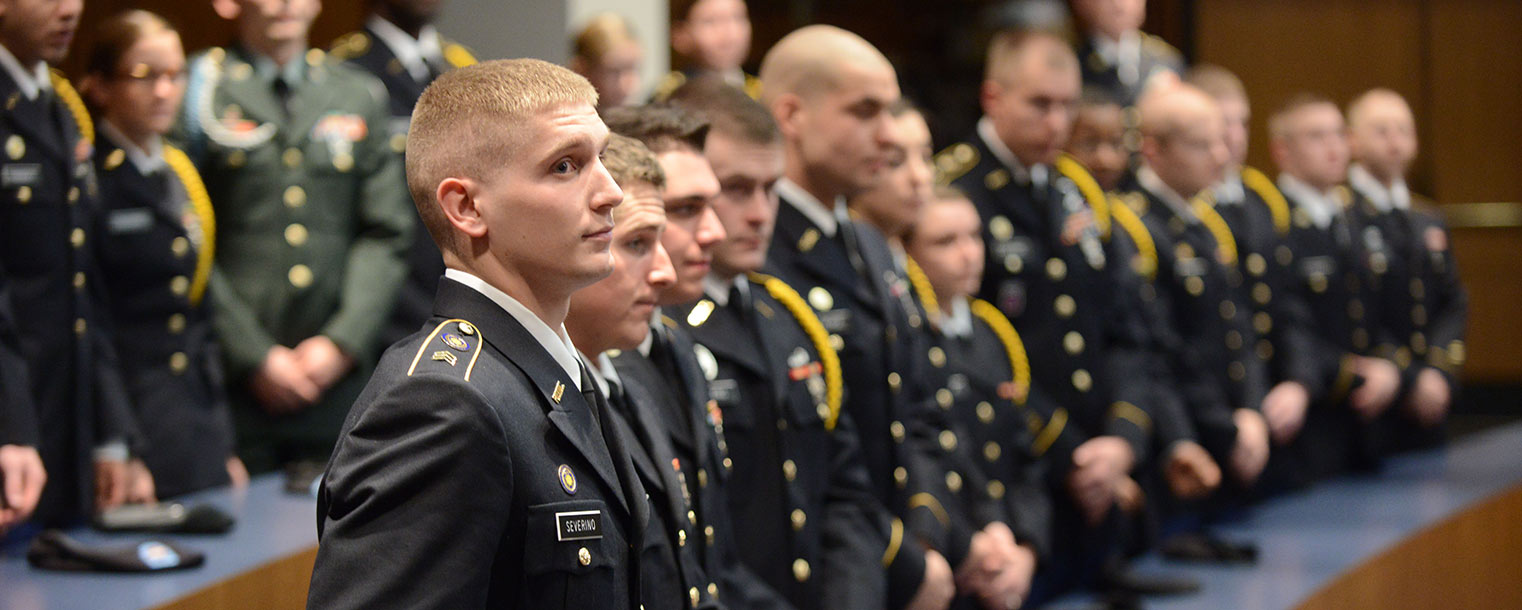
(1099, 143)
(39, 30)
(615, 75)
(747, 201)
(143, 95)
(947, 242)
(1193, 157)
(1384, 138)
(614, 313)
(276, 21)
(1237, 113)
(692, 229)
(1315, 147)
(715, 35)
(1033, 114)
(548, 209)
(843, 134)
(896, 201)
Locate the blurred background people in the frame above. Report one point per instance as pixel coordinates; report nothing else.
(608, 54)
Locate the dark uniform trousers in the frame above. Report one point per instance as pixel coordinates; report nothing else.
(812, 528)
(60, 388)
(312, 229)
(1201, 283)
(1423, 310)
(152, 248)
(471, 474)
(851, 282)
(671, 571)
(1329, 283)
(366, 51)
(672, 377)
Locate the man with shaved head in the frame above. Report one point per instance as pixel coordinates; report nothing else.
(1425, 306)
(481, 466)
(829, 92)
(1334, 257)
(1221, 379)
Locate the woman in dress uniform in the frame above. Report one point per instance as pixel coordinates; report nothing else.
(155, 252)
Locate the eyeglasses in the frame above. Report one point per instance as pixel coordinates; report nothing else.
(142, 73)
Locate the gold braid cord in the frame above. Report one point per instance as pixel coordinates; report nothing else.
(1019, 364)
(1075, 171)
(200, 203)
(923, 290)
(1133, 226)
(1226, 245)
(1260, 184)
(828, 359)
(76, 106)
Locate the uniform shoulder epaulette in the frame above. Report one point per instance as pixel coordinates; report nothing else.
(668, 85)
(1074, 170)
(350, 46)
(1146, 248)
(828, 358)
(1278, 206)
(457, 55)
(200, 205)
(1014, 347)
(955, 161)
(922, 289)
(74, 103)
(452, 349)
(1226, 243)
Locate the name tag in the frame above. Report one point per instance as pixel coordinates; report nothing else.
(837, 321)
(578, 525)
(20, 174)
(1190, 267)
(726, 391)
(131, 220)
(1317, 265)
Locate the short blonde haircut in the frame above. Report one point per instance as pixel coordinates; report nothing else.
(602, 33)
(1360, 105)
(629, 161)
(469, 122)
(1007, 52)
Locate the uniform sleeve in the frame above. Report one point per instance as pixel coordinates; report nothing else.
(1029, 502)
(1450, 316)
(854, 541)
(426, 458)
(376, 264)
(18, 411)
(245, 341)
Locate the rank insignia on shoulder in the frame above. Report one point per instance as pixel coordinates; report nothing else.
(446, 357)
(567, 478)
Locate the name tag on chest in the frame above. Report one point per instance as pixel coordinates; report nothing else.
(578, 525)
(20, 174)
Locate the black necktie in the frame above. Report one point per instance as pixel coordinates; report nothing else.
(283, 95)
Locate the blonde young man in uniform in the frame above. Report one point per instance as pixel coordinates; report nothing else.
(481, 467)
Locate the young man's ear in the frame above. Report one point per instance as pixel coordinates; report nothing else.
(226, 9)
(455, 197)
(786, 110)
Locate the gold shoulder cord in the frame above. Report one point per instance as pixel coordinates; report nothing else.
(795, 305)
(200, 203)
(1226, 244)
(1019, 364)
(1277, 205)
(922, 288)
(76, 105)
(1075, 171)
(1133, 226)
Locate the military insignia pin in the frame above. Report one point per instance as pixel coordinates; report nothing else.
(455, 341)
(559, 391)
(567, 479)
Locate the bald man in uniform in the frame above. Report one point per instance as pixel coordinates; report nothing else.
(480, 465)
(829, 92)
(1425, 305)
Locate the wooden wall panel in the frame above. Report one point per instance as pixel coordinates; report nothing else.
(1474, 134)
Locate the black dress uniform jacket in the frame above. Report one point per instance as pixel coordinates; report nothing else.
(367, 51)
(808, 523)
(472, 474)
(1200, 282)
(850, 281)
(154, 246)
(60, 389)
(1048, 272)
(693, 423)
(1154, 55)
